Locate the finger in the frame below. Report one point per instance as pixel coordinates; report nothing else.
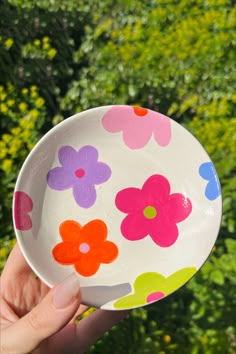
(6, 312)
(92, 327)
(16, 264)
(46, 319)
(82, 309)
(79, 338)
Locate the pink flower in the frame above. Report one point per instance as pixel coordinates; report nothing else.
(23, 206)
(138, 124)
(152, 211)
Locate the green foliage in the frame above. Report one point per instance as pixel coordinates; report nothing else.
(22, 114)
(176, 57)
(214, 323)
(167, 55)
(37, 43)
(218, 136)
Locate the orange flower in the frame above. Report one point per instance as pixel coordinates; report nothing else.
(84, 246)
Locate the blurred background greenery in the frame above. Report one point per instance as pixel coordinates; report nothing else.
(174, 56)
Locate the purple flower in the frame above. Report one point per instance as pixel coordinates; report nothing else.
(81, 171)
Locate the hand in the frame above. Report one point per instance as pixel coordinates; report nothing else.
(35, 318)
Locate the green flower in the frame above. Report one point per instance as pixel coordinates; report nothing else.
(151, 286)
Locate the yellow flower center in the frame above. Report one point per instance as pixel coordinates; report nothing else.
(150, 212)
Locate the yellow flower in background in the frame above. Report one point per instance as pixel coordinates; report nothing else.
(3, 252)
(10, 88)
(10, 102)
(204, 340)
(3, 96)
(6, 165)
(24, 91)
(37, 42)
(33, 88)
(45, 39)
(167, 338)
(234, 98)
(15, 131)
(46, 46)
(3, 108)
(26, 135)
(8, 43)
(33, 91)
(34, 113)
(34, 94)
(13, 242)
(22, 106)
(14, 147)
(57, 119)
(26, 123)
(30, 146)
(3, 152)
(6, 138)
(1, 88)
(52, 52)
(39, 102)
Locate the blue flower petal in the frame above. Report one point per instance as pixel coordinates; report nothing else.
(208, 172)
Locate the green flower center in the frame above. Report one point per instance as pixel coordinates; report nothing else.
(150, 212)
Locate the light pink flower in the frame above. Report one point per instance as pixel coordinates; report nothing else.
(138, 124)
(152, 211)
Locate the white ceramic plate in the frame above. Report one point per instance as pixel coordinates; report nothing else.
(123, 196)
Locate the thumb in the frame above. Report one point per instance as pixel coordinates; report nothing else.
(47, 318)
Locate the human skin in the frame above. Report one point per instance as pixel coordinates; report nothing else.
(39, 320)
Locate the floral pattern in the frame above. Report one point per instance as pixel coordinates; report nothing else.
(138, 124)
(85, 247)
(207, 171)
(81, 171)
(23, 205)
(153, 211)
(150, 287)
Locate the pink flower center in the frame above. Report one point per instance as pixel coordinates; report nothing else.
(150, 212)
(84, 248)
(80, 173)
(139, 111)
(155, 296)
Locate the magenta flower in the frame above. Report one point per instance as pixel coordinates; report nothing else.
(80, 171)
(152, 211)
(138, 124)
(23, 206)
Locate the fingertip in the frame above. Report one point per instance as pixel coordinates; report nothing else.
(66, 292)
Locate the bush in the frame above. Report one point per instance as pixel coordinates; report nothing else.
(176, 57)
